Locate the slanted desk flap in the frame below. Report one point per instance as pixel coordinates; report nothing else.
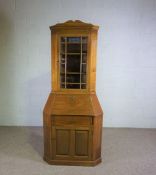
(77, 104)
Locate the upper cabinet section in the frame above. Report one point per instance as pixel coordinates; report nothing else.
(73, 57)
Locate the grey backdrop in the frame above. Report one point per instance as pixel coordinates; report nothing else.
(126, 65)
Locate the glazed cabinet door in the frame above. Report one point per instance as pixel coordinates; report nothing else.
(73, 53)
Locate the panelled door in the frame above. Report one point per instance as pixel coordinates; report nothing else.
(71, 137)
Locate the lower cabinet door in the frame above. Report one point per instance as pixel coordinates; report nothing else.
(72, 143)
(63, 142)
(81, 142)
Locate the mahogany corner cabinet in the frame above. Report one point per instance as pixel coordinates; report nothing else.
(72, 116)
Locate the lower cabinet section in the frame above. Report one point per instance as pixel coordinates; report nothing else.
(72, 129)
(71, 140)
(72, 144)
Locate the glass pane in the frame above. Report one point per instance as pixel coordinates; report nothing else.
(84, 39)
(83, 68)
(73, 48)
(73, 78)
(84, 48)
(62, 68)
(73, 86)
(84, 58)
(62, 85)
(73, 63)
(83, 78)
(62, 58)
(62, 39)
(74, 39)
(83, 86)
(62, 48)
(62, 77)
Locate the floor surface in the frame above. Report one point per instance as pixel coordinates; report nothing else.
(124, 152)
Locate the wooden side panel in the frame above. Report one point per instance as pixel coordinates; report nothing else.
(47, 135)
(97, 110)
(47, 126)
(98, 121)
(93, 48)
(97, 135)
(54, 61)
(81, 143)
(48, 106)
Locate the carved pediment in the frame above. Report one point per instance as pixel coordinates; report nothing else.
(74, 24)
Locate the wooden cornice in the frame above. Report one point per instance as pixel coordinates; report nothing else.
(74, 24)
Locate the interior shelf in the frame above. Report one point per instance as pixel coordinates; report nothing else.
(73, 73)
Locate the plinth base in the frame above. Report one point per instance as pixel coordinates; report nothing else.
(72, 163)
